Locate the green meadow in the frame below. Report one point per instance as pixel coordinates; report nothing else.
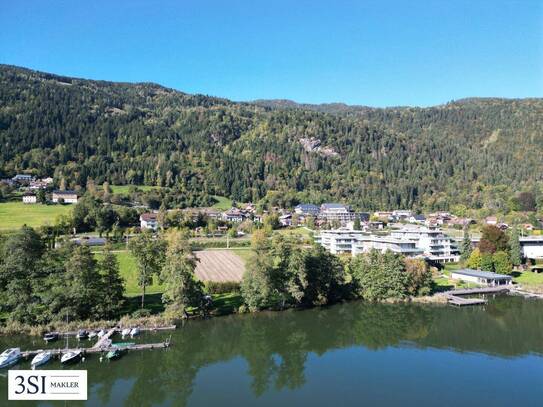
(13, 215)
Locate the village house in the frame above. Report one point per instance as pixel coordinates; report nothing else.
(64, 196)
(286, 219)
(307, 209)
(22, 179)
(149, 221)
(234, 215)
(417, 219)
(29, 198)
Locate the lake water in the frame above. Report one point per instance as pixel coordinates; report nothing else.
(352, 354)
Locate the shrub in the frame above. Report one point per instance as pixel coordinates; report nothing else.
(141, 313)
(222, 287)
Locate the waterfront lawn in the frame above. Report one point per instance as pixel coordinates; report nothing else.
(129, 272)
(13, 215)
(223, 203)
(528, 278)
(226, 303)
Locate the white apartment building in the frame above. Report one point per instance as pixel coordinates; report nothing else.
(435, 245)
(387, 243)
(346, 241)
(337, 212)
(339, 241)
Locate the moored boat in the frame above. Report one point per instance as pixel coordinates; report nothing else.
(82, 334)
(71, 357)
(9, 357)
(51, 336)
(116, 353)
(101, 333)
(125, 332)
(41, 358)
(93, 334)
(134, 332)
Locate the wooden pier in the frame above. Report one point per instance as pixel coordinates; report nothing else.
(480, 290)
(459, 301)
(105, 341)
(454, 299)
(105, 344)
(60, 351)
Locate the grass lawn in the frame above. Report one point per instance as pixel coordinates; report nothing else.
(528, 278)
(129, 271)
(123, 189)
(299, 232)
(13, 215)
(226, 303)
(243, 253)
(223, 203)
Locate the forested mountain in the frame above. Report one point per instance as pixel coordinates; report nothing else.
(476, 152)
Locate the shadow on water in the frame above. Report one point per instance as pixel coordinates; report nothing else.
(276, 346)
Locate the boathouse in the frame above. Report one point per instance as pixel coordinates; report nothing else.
(481, 277)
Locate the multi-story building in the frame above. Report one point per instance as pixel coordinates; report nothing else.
(307, 209)
(435, 245)
(387, 243)
(339, 241)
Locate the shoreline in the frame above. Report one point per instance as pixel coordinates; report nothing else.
(158, 320)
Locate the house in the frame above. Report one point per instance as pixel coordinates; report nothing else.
(481, 277)
(233, 215)
(491, 220)
(22, 178)
(401, 214)
(29, 199)
(417, 219)
(149, 221)
(383, 214)
(64, 196)
(307, 209)
(286, 220)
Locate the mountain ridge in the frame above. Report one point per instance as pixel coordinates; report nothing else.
(476, 152)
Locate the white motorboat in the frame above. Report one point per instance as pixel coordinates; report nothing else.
(41, 358)
(125, 332)
(93, 334)
(134, 332)
(101, 333)
(9, 357)
(71, 357)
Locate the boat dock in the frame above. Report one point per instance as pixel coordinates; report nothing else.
(104, 341)
(454, 299)
(94, 349)
(105, 344)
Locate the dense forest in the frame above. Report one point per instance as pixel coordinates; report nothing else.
(473, 152)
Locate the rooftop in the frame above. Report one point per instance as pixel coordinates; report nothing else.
(481, 274)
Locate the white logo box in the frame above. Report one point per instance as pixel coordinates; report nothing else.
(47, 385)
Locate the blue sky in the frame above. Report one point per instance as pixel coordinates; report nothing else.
(377, 53)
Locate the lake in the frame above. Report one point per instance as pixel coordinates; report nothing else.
(353, 354)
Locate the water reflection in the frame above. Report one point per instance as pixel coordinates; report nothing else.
(276, 346)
